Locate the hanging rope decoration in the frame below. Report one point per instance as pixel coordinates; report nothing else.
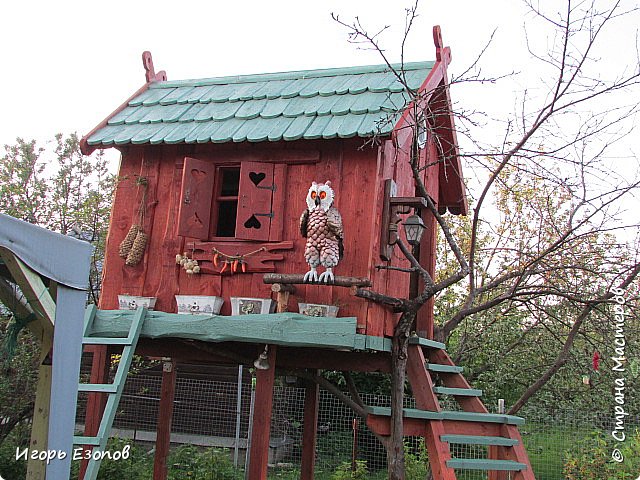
(134, 243)
(13, 331)
(232, 262)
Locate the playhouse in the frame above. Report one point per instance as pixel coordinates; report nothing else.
(213, 179)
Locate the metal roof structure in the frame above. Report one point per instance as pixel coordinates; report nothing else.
(313, 104)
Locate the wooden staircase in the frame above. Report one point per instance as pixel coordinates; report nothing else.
(428, 364)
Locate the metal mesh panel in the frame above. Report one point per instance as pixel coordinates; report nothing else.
(206, 414)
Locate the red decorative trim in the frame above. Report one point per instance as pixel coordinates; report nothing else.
(258, 262)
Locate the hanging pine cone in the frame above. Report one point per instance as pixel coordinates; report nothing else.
(137, 249)
(127, 243)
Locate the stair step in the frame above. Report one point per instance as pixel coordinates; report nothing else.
(425, 342)
(98, 387)
(479, 440)
(80, 440)
(436, 367)
(485, 464)
(106, 341)
(450, 415)
(461, 392)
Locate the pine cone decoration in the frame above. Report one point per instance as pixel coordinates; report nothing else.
(137, 249)
(127, 243)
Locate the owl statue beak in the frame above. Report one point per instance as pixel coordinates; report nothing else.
(317, 201)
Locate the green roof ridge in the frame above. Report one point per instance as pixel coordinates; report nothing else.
(292, 75)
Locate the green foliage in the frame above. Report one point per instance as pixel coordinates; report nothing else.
(591, 459)
(416, 461)
(190, 463)
(66, 192)
(18, 379)
(17, 438)
(345, 471)
(62, 190)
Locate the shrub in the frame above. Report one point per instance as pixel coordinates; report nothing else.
(590, 459)
(345, 471)
(190, 463)
(9, 466)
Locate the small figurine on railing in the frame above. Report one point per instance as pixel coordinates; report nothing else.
(321, 225)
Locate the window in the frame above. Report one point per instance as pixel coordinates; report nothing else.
(227, 201)
(225, 208)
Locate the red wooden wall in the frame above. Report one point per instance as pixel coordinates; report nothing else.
(357, 174)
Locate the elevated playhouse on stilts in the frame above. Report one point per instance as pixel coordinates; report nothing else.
(214, 176)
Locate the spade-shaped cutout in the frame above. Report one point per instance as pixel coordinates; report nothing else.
(253, 222)
(256, 178)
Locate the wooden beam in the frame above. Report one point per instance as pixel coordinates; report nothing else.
(426, 399)
(21, 308)
(310, 430)
(298, 278)
(165, 416)
(292, 329)
(33, 289)
(288, 357)
(36, 469)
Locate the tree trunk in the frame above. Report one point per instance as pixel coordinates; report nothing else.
(395, 448)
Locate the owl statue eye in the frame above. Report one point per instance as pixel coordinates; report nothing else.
(323, 195)
(314, 194)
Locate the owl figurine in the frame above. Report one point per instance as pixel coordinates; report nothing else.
(321, 225)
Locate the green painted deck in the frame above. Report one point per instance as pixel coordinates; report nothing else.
(287, 329)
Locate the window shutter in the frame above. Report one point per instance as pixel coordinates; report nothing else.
(194, 213)
(255, 198)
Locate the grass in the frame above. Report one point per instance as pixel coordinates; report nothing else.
(546, 447)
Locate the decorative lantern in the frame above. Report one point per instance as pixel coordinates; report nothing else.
(413, 229)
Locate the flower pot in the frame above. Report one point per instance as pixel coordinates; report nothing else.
(132, 302)
(318, 310)
(249, 306)
(199, 304)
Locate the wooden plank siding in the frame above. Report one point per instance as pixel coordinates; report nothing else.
(357, 174)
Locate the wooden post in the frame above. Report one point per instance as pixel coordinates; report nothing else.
(310, 432)
(259, 455)
(36, 469)
(96, 401)
(165, 415)
(424, 321)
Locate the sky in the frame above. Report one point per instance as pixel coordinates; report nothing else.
(68, 64)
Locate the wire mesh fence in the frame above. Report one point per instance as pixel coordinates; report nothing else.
(211, 413)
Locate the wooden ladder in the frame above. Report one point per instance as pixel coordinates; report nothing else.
(114, 390)
(427, 363)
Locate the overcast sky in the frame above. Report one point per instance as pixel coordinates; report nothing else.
(67, 64)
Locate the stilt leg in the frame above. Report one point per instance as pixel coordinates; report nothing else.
(259, 454)
(310, 431)
(165, 415)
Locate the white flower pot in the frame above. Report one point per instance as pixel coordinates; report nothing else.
(132, 302)
(249, 306)
(318, 310)
(199, 304)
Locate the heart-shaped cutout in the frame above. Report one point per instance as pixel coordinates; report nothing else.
(256, 178)
(253, 222)
(198, 175)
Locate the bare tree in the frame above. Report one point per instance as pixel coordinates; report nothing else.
(547, 236)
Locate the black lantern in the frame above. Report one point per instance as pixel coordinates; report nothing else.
(413, 229)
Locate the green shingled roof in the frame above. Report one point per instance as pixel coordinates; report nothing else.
(312, 104)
